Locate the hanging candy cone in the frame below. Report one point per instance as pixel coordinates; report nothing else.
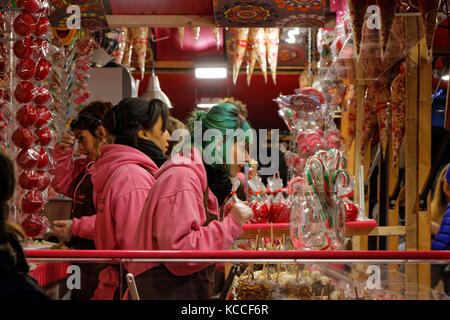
(140, 47)
(181, 36)
(387, 13)
(216, 34)
(126, 61)
(239, 51)
(350, 100)
(383, 114)
(428, 11)
(398, 105)
(261, 53)
(272, 41)
(357, 10)
(369, 118)
(122, 44)
(196, 33)
(251, 52)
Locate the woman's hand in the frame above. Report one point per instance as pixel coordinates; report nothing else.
(67, 140)
(241, 212)
(62, 229)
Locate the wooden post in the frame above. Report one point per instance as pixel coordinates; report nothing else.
(424, 156)
(411, 151)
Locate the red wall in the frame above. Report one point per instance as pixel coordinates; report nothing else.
(181, 89)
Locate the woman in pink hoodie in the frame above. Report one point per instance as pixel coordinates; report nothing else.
(72, 179)
(122, 178)
(182, 208)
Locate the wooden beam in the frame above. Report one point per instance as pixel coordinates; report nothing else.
(424, 217)
(161, 21)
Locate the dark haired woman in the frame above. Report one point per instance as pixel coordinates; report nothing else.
(182, 208)
(15, 281)
(123, 176)
(73, 180)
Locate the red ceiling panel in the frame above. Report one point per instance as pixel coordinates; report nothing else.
(263, 112)
(162, 7)
(170, 49)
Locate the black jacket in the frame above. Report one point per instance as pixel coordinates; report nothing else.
(15, 281)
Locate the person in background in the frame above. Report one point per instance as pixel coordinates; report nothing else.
(439, 201)
(442, 239)
(15, 281)
(173, 125)
(182, 209)
(242, 107)
(73, 180)
(122, 179)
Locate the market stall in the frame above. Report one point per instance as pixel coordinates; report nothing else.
(349, 90)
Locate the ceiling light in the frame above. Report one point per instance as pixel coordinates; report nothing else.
(446, 77)
(205, 105)
(154, 91)
(210, 73)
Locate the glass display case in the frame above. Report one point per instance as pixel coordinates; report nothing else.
(262, 275)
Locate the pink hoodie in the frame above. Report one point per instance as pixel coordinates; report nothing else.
(120, 189)
(174, 214)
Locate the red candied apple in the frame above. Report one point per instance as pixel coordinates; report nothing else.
(261, 212)
(227, 208)
(42, 95)
(35, 225)
(32, 202)
(24, 48)
(43, 180)
(31, 6)
(43, 116)
(43, 68)
(351, 211)
(26, 115)
(42, 26)
(44, 160)
(41, 47)
(25, 69)
(27, 159)
(24, 24)
(24, 92)
(280, 212)
(44, 135)
(23, 137)
(29, 179)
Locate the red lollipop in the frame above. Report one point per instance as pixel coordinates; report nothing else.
(35, 225)
(42, 69)
(24, 48)
(32, 202)
(24, 92)
(43, 159)
(29, 179)
(23, 137)
(27, 158)
(43, 116)
(44, 135)
(41, 47)
(42, 95)
(24, 24)
(25, 69)
(42, 26)
(26, 115)
(31, 6)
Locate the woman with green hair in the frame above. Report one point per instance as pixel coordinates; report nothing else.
(182, 209)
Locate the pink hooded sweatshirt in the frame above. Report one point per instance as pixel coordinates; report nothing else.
(120, 189)
(174, 214)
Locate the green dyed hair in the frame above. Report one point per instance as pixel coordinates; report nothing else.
(222, 118)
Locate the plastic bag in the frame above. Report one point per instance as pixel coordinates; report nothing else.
(279, 208)
(261, 211)
(233, 199)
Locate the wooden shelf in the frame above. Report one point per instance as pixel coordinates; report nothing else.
(356, 228)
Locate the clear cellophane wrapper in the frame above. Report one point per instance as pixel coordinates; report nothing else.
(279, 207)
(233, 197)
(261, 211)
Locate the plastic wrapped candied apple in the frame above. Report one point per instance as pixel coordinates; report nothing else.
(279, 208)
(35, 225)
(261, 211)
(233, 199)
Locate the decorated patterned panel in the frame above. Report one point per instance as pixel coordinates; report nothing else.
(92, 13)
(270, 13)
